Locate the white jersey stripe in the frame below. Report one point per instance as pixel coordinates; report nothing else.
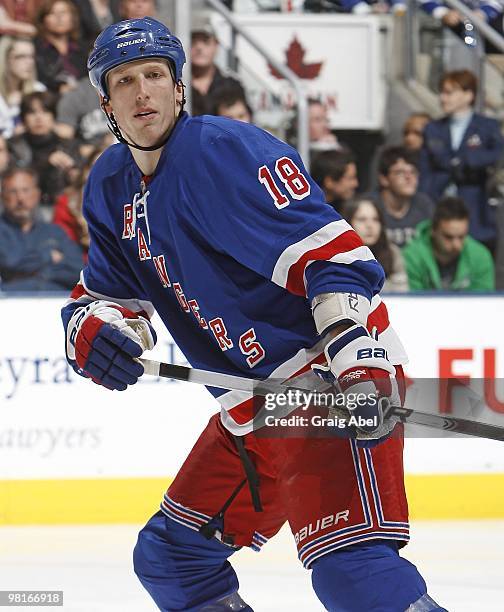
(362, 253)
(314, 241)
(133, 304)
(375, 302)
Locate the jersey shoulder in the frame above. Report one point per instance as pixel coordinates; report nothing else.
(111, 161)
(227, 137)
(111, 164)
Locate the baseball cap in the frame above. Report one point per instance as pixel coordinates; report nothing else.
(202, 24)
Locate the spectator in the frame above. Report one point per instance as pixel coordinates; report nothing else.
(367, 220)
(458, 151)
(68, 208)
(34, 255)
(413, 131)
(488, 10)
(61, 57)
(17, 78)
(229, 101)
(206, 76)
(136, 9)
(357, 7)
(336, 173)
(80, 116)
(321, 137)
(444, 256)
(16, 17)
(402, 206)
(94, 16)
(498, 196)
(4, 155)
(53, 157)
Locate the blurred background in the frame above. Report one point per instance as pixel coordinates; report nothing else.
(396, 108)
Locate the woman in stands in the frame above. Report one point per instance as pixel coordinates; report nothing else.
(18, 77)
(61, 55)
(54, 158)
(367, 220)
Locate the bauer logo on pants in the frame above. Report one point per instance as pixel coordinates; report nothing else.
(321, 524)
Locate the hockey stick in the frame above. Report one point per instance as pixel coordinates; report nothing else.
(263, 387)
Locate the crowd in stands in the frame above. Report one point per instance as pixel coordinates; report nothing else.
(427, 215)
(429, 220)
(488, 10)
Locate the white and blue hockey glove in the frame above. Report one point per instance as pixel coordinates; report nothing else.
(104, 340)
(359, 368)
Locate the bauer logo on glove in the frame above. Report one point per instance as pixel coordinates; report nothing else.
(357, 364)
(370, 353)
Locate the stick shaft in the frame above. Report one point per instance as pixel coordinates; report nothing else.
(262, 387)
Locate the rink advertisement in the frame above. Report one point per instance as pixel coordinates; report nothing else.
(59, 431)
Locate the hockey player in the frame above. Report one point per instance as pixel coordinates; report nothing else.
(216, 225)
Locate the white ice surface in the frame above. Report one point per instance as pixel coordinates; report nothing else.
(463, 563)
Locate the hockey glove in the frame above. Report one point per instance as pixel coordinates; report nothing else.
(359, 368)
(104, 340)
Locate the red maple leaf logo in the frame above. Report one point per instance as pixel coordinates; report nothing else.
(295, 61)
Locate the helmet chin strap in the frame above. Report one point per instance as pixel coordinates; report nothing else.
(116, 130)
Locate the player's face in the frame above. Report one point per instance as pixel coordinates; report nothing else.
(401, 180)
(367, 223)
(20, 196)
(454, 99)
(144, 100)
(449, 236)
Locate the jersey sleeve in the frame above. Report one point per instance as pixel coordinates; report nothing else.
(263, 209)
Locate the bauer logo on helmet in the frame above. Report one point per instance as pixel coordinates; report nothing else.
(131, 42)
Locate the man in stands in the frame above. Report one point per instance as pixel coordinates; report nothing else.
(413, 131)
(34, 255)
(229, 101)
(444, 256)
(321, 137)
(402, 205)
(336, 173)
(207, 78)
(135, 9)
(459, 150)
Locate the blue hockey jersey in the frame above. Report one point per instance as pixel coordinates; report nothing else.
(229, 240)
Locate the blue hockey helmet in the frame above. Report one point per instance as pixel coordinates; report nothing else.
(130, 40)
